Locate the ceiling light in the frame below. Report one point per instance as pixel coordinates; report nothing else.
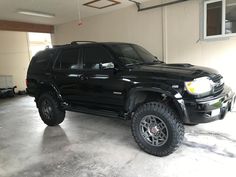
(35, 13)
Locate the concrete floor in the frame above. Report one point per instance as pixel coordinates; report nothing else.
(87, 146)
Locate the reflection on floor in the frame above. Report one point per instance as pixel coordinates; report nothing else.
(86, 145)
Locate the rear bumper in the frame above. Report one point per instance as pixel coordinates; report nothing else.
(30, 93)
(209, 109)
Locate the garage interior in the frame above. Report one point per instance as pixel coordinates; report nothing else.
(176, 31)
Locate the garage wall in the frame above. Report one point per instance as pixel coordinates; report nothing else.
(125, 25)
(184, 45)
(14, 56)
(179, 41)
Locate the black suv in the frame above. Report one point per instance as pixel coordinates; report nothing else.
(125, 80)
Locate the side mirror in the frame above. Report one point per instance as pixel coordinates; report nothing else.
(109, 65)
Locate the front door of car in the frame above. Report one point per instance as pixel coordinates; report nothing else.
(102, 82)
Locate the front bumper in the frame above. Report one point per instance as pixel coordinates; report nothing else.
(209, 109)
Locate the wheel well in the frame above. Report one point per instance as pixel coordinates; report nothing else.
(44, 88)
(141, 97)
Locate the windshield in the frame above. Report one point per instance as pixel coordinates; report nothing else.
(131, 54)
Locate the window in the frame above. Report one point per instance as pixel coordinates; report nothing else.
(230, 20)
(68, 59)
(132, 54)
(126, 53)
(220, 18)
(214, 18)
(38, 42)
(40, 62)
(94, 56)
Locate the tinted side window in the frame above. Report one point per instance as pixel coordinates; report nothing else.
(40, 62)
(132, 54)
(68, 59)
(94, 56)
(127, 51)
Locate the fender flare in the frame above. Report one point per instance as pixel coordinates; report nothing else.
(160, 89)
(42, 85)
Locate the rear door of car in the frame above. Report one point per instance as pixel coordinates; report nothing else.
(67, 74)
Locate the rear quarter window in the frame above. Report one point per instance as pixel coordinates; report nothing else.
(68, 60)
(41, 62)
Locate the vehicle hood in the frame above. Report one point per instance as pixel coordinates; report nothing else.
(178, 71)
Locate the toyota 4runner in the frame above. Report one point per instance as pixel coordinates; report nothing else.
(125, 80)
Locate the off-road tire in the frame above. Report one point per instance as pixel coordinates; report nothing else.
(173, 125)
(57, 113)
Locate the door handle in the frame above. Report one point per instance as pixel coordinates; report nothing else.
(48, 74)
(80, 76)
(83, 77)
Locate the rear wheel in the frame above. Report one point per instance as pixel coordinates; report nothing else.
(50, 111)
(156, 129)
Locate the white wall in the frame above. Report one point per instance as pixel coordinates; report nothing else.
(183, 45)
(125, 25)
(180, 35)
(14, 56)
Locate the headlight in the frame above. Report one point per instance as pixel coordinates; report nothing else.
(199, 86)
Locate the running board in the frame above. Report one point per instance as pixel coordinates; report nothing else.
(97, 112)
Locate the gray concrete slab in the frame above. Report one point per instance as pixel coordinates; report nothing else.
(87, 146)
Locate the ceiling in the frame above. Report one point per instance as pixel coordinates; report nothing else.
(64, 10)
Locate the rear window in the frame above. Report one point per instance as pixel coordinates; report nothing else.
(40, 62)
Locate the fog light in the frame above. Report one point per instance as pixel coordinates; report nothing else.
(215, 112)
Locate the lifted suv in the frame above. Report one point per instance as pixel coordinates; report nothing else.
(124, 80)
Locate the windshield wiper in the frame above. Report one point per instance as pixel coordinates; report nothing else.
(145, 63)
(158, 61)
(154, 62)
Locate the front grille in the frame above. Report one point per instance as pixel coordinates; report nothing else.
(218, 83)
(218, 88)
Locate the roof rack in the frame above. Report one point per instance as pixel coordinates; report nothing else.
(57, 46)
(77, 42)
(73, 43)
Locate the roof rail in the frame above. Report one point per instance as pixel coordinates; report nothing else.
(57, 46)
(77, 42)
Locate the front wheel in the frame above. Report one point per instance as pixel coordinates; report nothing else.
(50, 111)
(157, 129)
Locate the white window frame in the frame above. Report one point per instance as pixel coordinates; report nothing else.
(223, 34)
